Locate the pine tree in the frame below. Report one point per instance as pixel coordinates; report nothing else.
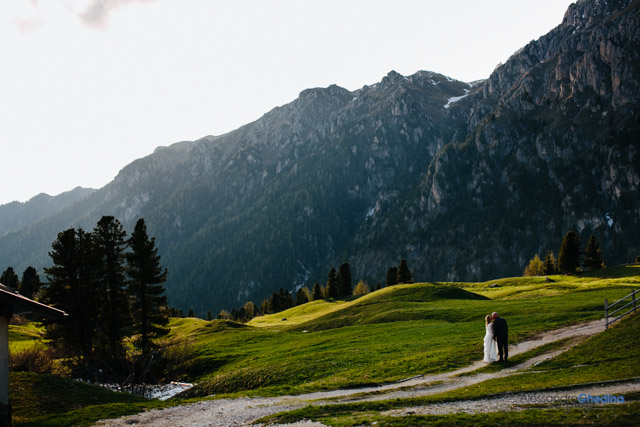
(392, 276)
(361, 288)
(71, 288)
(317, 291)
(535, 267)
(301, 296)
(85, 293)
(209, 316)
(404, 274)
(10, 278)
(30, 283)
(593, 256)
(149, 309)
(286, 299)
(63, 277)
(241, 315)
(332, 290)
(191, 313)
(378, 286)
(110, 244)
(550, 264)
(569, 256)
(344, 280)
(275, 302)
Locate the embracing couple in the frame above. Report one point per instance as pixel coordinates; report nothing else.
(495, 339)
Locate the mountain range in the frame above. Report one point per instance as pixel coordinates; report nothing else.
(467, 181)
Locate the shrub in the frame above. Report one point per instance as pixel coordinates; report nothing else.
(18, 320)
(174, 360)
(39, 359)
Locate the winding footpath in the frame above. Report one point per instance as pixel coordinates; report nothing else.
(243, 411)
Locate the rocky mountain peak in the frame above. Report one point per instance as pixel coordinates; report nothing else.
(392, 77)
(333, 92)
(587, 12)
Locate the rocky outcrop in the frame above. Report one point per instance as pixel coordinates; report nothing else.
(552, 145)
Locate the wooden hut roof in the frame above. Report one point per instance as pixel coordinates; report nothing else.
(10, 296)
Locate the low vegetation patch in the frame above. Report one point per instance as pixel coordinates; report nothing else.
(49, 400)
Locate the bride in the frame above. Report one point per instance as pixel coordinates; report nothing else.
(490, 346)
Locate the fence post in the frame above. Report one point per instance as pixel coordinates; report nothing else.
(606, 314)
(633, 297)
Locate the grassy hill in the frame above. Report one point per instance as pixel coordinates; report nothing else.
(394, 333)
(602, 359)
(391, 334)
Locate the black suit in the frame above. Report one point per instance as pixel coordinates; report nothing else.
(501, 335)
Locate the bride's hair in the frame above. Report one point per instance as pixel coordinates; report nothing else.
(487, 319)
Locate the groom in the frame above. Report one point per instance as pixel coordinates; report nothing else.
(501, 335)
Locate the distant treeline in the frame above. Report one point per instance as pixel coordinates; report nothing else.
(570, 258)
(339, 285)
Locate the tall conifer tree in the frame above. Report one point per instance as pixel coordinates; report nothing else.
(317, 291)
(149, 309)
(569, 256)
(344, 280)
(392, 276)
(110, 245)
(404, 274)
(332, 284)
(10, 278)
(71, 289)
(302, 296)
(30, 283)
(593, 256)
(63, 278)
(550, 264)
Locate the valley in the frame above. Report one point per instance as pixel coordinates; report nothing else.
(349, 359)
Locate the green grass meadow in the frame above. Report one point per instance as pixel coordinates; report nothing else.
(22, 337)
(391, 334)
(609, 356)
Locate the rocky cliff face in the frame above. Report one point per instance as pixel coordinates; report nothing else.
(552, 145)
(466, 181)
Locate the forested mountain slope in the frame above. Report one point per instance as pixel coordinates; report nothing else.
(465, 180)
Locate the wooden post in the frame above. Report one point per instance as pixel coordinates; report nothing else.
(5, 411)
(606, 314)
(633, 297)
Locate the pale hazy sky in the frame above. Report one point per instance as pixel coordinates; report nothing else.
(88, 86)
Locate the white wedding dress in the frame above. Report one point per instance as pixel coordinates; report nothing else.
(490, 346)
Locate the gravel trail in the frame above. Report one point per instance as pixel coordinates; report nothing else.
(520, 401)
(243, 411)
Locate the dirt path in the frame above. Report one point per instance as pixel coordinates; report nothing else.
(243, 411)
(520, 401)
